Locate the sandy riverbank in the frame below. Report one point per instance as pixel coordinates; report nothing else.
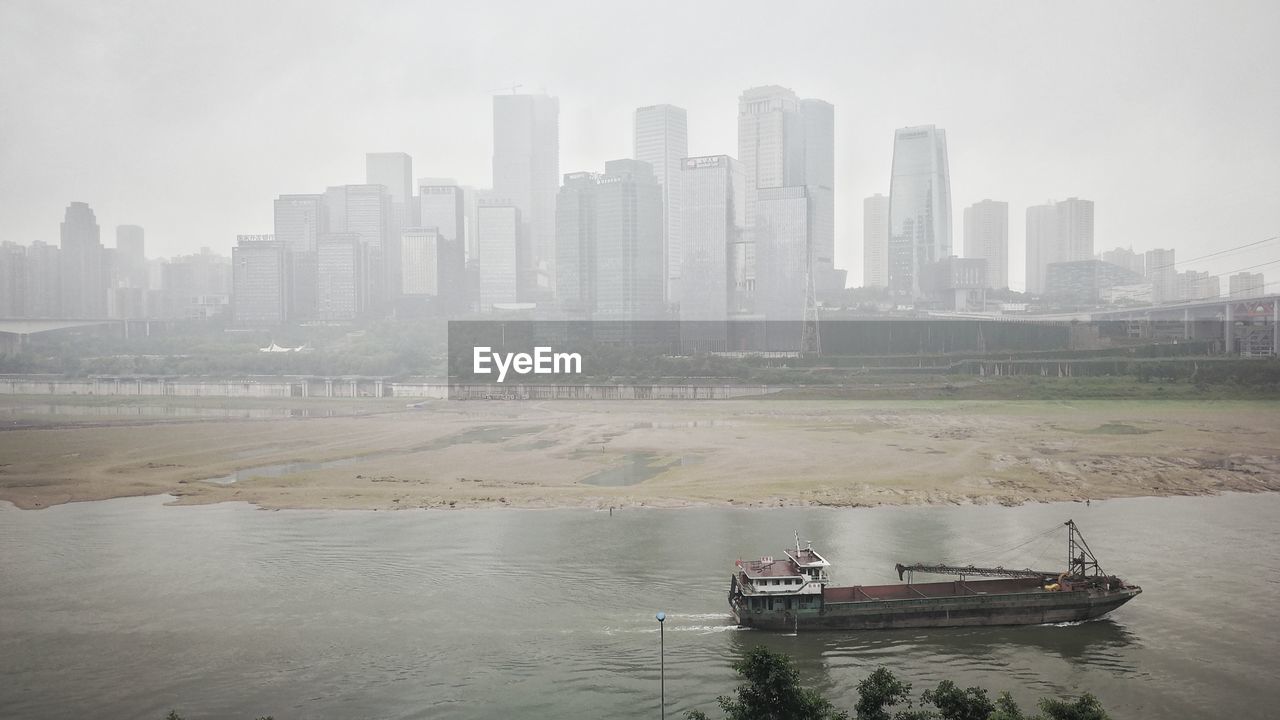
(744, 452)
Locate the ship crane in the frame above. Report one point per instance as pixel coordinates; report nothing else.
(964, 570)
(1081, 564)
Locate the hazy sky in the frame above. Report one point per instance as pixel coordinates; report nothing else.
(189, 118)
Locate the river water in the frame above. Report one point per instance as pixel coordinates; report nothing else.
(127, 608)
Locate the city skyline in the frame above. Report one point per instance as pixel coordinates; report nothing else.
(1120, 138)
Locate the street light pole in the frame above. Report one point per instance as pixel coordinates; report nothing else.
(662, 664)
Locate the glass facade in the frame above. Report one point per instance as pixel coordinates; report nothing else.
(919, 207)
(713, 221)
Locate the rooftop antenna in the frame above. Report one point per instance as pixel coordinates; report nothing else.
(512, 88)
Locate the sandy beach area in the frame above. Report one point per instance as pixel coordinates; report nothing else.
(757, 452)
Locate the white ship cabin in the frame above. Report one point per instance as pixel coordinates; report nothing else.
(790, 583)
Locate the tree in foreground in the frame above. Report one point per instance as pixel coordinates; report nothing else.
(771, 691)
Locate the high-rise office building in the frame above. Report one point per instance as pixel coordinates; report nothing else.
(784, 141)
(420, 262)
(43, 281)
(818, 117)
(526, 170)
(771, 141)
(498, 240)
(366, 211)
(782, 249)
(392, 170)
(662, 140)
(610, 231)
(986, 236)
(13, 280)
(442, 207)
(1162, 272)
(300, 222)
(630, 273)
(343, 282)
(84, 272)
(919, 206)
(260, 281)
(130, 257)
(1246, 285)
(1057, 232)
(875, 241)
(576, 244)
(713, 206)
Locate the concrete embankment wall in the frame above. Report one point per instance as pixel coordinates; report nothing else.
(364, 388)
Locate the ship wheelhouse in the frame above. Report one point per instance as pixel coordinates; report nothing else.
(784, 584)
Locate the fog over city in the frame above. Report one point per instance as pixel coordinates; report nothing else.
(189, 119)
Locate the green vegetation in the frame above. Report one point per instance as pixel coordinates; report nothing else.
(771, 691)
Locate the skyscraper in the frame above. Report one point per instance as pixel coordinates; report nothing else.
(610, 232)
(1075, 228)
(444, 207)
(630, 273)
(300, 222)
(342, 277)
(1057, 232)
(441, 207)
(782, 244)
(819, 121)
(366, 210)
(419, 261)
(13, 280)
(784, 141)
(661, 139)
(714, 215)
(526, 170)
(875, 241)
(771, 141)
(392, 170)
(498, 229)
(131, 257)
(986, 236)
(43, 281)
(260, 281)
(576, 244)
(83, 272)
(1043, 248)
(919, 206)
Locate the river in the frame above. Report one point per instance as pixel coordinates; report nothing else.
(128, 608)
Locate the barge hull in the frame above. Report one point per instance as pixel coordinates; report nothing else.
(1018, 609)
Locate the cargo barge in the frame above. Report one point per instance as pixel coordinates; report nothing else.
(793, 593)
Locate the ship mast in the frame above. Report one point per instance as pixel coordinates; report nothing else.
(1081, 563)
(1080, 559)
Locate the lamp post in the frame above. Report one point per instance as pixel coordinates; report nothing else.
(662, 665)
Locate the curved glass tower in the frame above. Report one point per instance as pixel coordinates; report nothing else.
(919, 206)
